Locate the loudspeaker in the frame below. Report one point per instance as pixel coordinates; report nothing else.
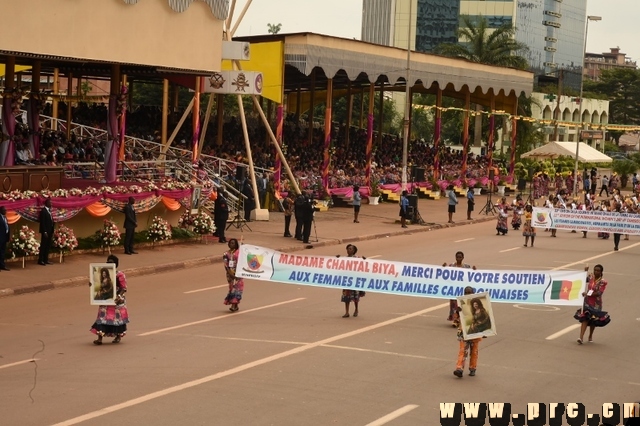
(522, 184)
(240, 173)
(418, 174)
(413, 200)
(491, 174)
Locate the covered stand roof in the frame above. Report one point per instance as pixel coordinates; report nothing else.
(363, 63)
(586, 154)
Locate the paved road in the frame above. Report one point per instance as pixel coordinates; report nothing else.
(288, 358)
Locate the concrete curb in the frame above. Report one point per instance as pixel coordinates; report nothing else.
(205, 261)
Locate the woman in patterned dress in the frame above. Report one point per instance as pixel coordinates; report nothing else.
(503, 216)
(528, 231)
(236, 285)
(349, 296)
(454, 310)
(592, 313)
(518, 209)
(112, 320)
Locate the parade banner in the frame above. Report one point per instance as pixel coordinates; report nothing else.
(411, 279)
(586, 220)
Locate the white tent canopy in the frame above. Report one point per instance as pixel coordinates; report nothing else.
(586, 154)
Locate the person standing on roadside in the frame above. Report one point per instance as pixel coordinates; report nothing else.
(349, 296)
(454, 315)
(46, 233)
(4, 237)
(468, 348)
(130, 224)
(404, 208)
(357, 200)
(471, 202)
(452, 202)
(288, 205)
(221, 214)
(298, 212)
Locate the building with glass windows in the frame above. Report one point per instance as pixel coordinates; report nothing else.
(552, 29)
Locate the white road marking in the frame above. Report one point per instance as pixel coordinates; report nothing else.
(543, 308)
(583, 261)
(466, 239)
(240, 368)
(394, 415)
(205, 289)
(563, 331)
(13, 364)
(511, 249)
(175, 327)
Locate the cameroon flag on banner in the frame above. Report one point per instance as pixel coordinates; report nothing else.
(566, 290)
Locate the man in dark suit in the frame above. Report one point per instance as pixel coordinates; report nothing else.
(46, 233)
(130, 224)
(221, 214)
(4, 237)
(249, 202)
(307, 218)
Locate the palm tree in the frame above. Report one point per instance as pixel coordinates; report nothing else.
(480, 43)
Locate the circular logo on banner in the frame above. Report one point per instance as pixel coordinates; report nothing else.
(258, 83)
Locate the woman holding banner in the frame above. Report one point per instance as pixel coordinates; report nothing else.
(349, 296)
(591, 313)
(236, 285)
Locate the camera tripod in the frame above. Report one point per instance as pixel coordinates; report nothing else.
(238, 222)
(489, 207)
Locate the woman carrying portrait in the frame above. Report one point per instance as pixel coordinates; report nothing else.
(236, 285)
(591, 315)
(112, 320)
(481, 320)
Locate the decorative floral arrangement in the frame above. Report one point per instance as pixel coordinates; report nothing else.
(172, 185)
(160, 230)
(110, 234)
(186, 220)
(17, 195)
(64, 239)
(203, 224)
(135, 189)
(24, 243)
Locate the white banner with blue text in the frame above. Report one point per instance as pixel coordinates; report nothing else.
(410, 279)
(586, 220)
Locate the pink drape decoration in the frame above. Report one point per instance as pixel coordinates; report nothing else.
(7, 148)
(125, 197)
(19, 204)
(196, 122)
(176, 194)
(327, 145)
(72, 202)
(436, 144)
(465, 144)
(277, 173)
(514, 134)
(111, 149)
(492, 129)
(369, 151)
(122, 117)
(33, 119)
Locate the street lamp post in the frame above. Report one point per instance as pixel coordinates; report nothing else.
(579, 126)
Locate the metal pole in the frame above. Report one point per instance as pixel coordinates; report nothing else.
(407, 106)
(579, 126)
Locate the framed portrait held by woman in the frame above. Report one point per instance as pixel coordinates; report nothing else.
(476, 316)
(102, 277)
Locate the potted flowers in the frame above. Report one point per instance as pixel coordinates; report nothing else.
(64, 240)
(374, 190)
(109, 235)
(23, 243)
(186, 220)
(203, 224)
(501, 186)
(477, 188)
(160, 230)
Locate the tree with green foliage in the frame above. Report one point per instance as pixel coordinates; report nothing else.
(274, 28)
(624, 168)
(622, 87)
(483, 44)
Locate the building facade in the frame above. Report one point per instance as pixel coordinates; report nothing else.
(595, 63)
(553, 30)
